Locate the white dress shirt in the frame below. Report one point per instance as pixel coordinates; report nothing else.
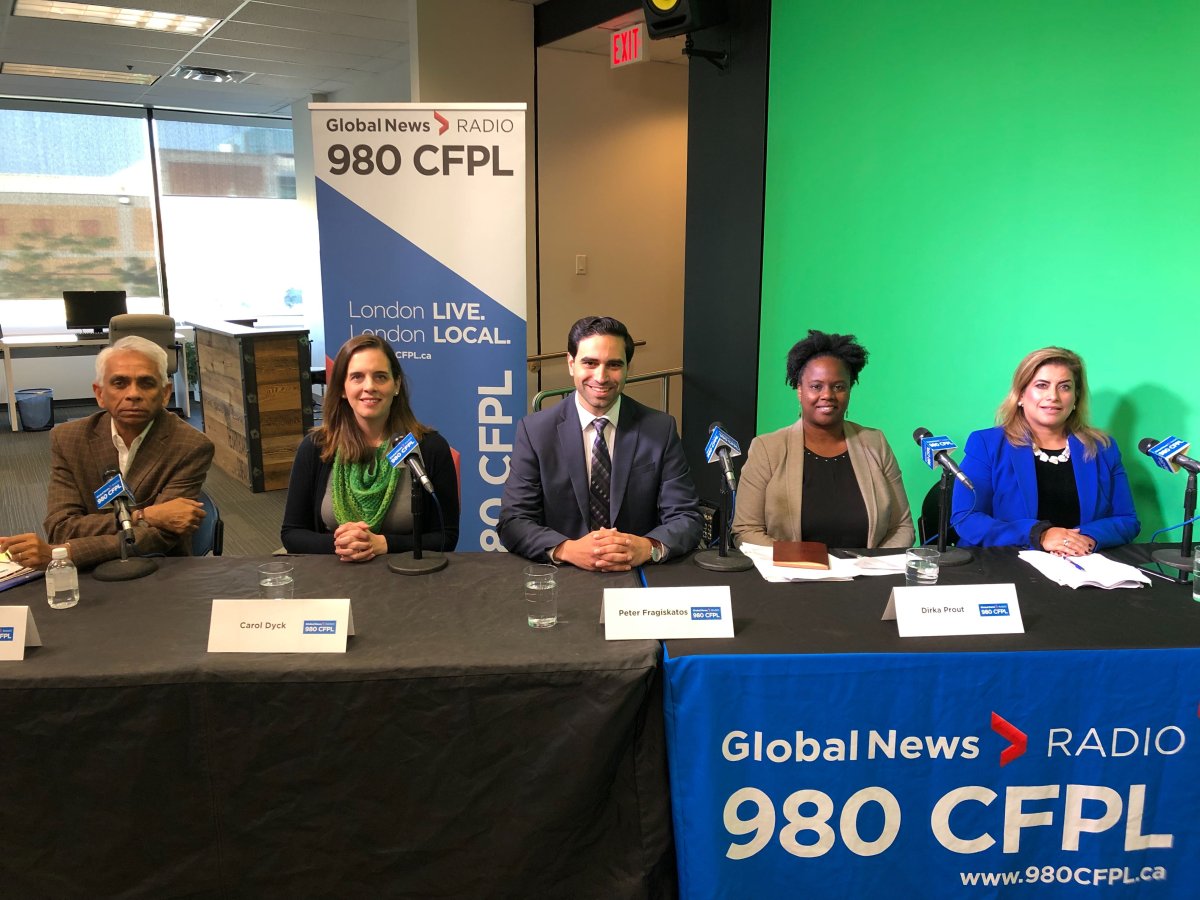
(125, 454)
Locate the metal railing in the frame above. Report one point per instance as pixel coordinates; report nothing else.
(665, 375)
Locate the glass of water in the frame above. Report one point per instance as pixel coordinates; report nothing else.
(921, 566)
(275, 581)
(541, 596)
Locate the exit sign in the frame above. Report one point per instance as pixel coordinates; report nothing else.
(628, 46)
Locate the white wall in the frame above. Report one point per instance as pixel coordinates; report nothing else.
(483, 51)
(612, 155)
(612, 150)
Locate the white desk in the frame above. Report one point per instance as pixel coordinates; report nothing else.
(40, 345)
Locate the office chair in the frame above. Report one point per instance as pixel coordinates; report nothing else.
(157, 329)
(927, 522)
(457, 457)
(210, 536)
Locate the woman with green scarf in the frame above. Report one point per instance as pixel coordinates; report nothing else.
(344, 497)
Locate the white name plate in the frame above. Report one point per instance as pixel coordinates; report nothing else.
(280, 626)
(955, 609)
(670, 612)
(17, 631)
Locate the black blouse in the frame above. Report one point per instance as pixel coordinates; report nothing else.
(1058, 496)
(833, 511)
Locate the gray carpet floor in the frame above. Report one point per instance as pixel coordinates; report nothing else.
(251, 520)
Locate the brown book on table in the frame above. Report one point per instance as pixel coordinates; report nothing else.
(801, 554)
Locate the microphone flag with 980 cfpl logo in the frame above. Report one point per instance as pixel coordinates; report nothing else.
(1169, 454)
(935, 450)
(114, 493)
(406, 451)
(722, 447)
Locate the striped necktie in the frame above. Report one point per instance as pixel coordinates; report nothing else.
(601, 478)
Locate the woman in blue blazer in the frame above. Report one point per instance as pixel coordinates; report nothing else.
(1045, 478)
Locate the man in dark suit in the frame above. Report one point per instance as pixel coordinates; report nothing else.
(162, 459)
(599, 481)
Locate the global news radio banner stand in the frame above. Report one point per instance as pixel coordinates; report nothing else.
(421, 216)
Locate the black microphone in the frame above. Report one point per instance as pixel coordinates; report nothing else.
(121, 506)
(413, 459)
(723, 452)
(942, 458)
(1184, 462)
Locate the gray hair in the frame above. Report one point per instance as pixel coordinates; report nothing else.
(134, 344)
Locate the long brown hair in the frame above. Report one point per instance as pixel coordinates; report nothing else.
(1012, 417)
(339, 432)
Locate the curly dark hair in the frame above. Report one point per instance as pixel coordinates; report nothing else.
(840, 346)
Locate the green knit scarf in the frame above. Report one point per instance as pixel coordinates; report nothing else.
(363, 492)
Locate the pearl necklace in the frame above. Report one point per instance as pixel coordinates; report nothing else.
(1045, 457)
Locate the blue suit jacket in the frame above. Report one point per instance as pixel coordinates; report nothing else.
(546, 494)
(1004, 507)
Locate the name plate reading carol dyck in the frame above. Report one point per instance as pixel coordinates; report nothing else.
(17, 631)
(955, 609)
(672, 612)
(280, 626)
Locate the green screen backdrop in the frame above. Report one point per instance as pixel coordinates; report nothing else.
(959, 183)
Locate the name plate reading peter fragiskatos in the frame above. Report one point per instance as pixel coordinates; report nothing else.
(670, 612)
(955, 609)
(280, 626)
(17, 631)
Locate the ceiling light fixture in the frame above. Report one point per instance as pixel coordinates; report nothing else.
(10, 68)
(206, 73)
(115, 15)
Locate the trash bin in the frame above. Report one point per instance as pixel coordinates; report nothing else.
(36, 408)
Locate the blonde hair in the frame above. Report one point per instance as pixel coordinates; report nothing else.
(1011, 417)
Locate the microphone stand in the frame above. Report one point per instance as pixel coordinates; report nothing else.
(950, 556)
(724, 559)
(415, 562)
(1182, 559)
(126, 568)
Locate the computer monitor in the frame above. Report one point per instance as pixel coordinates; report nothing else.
(92, 310)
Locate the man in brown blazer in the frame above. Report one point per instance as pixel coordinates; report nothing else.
(162, 459)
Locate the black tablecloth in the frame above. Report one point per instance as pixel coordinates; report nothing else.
(844, 617)
(452, 751)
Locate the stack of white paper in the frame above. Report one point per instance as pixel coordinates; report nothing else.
(891, 564)
(10, 569)
(763, 559)
(1093, 570)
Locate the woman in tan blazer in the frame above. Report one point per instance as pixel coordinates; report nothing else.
(823, 478)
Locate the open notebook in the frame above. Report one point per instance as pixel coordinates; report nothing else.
(12, 574)
(1092, 570)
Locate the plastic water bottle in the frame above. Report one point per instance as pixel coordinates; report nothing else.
(1196, 576)
(62, 580)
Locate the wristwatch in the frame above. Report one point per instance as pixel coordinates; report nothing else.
(656, 551)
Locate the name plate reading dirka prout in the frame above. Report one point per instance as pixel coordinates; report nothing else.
(955, 609)
(670, 612)
(280, 626)
(17, 631)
